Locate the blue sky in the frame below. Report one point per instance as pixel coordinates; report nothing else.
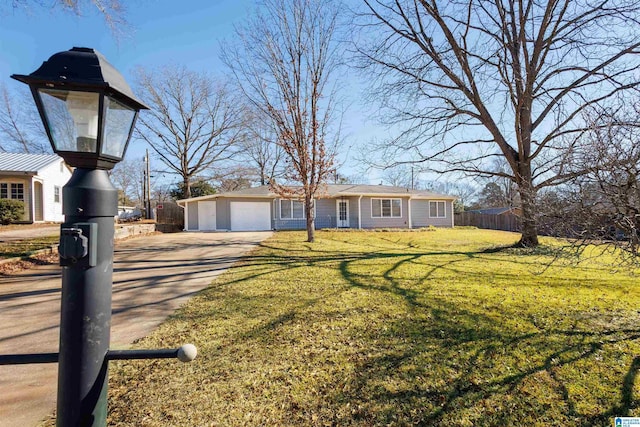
(162, 31)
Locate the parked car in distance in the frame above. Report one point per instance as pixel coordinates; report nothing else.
(130, 216)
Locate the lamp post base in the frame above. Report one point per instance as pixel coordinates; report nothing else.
(86, 256)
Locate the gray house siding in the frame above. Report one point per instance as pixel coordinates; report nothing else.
(369, 222)
(286, 224)
(420, 214)
(327, 212)
(192, 219)
(223, 214)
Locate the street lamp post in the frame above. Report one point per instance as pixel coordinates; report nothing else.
(89, 112)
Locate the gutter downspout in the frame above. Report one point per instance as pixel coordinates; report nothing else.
(360, 212)
(409, 212)
(452, 214)
(186, 216)
(274, 209)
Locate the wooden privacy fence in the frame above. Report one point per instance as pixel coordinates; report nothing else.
(169, 213)
(505, 222)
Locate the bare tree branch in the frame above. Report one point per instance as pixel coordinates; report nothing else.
(193, 125)
(520, 74)
(21, 129)
(285, 61)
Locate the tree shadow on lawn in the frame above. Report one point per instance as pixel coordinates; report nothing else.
(453, 329)
(437, 364)
(415, 358)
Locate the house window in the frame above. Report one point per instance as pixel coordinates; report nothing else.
(386, 208)
(437, 210)
(56, 194)
(14, 190)
(291, 209)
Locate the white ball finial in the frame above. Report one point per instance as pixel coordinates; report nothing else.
(187, 353)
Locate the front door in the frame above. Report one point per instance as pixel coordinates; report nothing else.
(342, 208)
(37, 201)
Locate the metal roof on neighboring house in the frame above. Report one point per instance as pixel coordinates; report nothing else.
(331, 191)
(24, 162)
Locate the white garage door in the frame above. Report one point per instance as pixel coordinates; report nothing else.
(250, 216)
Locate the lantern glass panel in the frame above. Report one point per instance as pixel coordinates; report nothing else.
(73, 119)
(118, 122)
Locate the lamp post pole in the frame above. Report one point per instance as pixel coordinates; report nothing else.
(90, 203)
(88, 111)
(147, 194)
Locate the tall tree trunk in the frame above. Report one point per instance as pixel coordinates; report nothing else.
(187, 187)
(527, 192)
(309, 214)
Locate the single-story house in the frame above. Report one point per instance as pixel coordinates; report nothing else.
(36, 180)
(337, 206)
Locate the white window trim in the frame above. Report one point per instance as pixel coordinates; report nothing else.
(57, 187)
(291, 202)
(381, 215)
(444, 209)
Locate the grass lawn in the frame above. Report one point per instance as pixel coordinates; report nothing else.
(395, 329)
(21, 248)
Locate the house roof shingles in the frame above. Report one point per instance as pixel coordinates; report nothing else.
(335, 190)
(26, 163)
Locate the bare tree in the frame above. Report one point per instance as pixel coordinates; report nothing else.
(127, 176)
(261, 149)
(161, 193)
(285, 61)
(603, 206)
(474, 80)
(402, 175)
(113, 11)
(21, 129)
(465, 192)
(193, 125)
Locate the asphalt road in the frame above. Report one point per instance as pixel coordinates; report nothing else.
(153, 275)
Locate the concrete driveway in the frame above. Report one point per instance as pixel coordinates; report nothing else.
(153, 275)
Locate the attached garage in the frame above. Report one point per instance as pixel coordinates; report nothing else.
(250, 216)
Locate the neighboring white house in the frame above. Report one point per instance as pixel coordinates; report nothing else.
(337, 206)
(36, 180)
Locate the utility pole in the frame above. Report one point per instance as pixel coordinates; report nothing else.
(412, 177)
(147, 194)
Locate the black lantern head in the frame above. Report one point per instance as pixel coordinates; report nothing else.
(86, 106)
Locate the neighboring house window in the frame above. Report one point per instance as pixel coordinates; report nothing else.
(291, 209)
(56, 194)
(14, 190)
(386, 208)
(437, 210)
